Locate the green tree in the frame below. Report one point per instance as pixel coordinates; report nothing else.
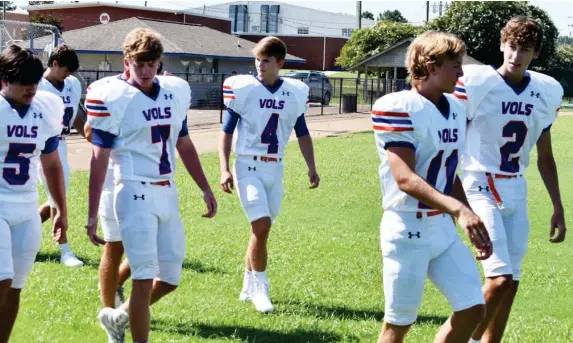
(394, 15)
(36, 3)
(368, 15)
(369, 41)
(47, 19)
(9, 5)
(565, 40)
(479, 23)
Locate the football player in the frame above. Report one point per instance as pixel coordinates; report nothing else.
(29, 133)
(141, 121)
(510, 110)
(420, 136)
(264, 109)
(58, 80)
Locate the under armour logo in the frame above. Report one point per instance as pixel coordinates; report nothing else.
(486, 188)
(253, 168)
(168, 96)
(454, 115)
(142, 197)
(411, 235)
(69, 89)
(286, 93)
(533, 94)
(37, 115)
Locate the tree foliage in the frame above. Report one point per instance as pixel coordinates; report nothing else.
(47, 19)
(368, 15)
(369, 41)
(36, 3)
(9, 5)
(565, 40)
(479, 23)
(395, 16)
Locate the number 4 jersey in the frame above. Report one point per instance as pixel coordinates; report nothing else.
(407, 119)
(142, 130)
(24, 135)
(505, 121)
(267, 115)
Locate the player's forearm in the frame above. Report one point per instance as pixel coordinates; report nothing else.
(459, 193)
(190, 159)
(307, 150)
(418, 188)
(98, 170)
(79, 126)
(54, 173)
(548, 171)
(225, 143)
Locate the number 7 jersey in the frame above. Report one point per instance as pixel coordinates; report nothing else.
(267, 116)
(505, 121)
(407, 119)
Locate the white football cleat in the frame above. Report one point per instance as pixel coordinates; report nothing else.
(114, 322)
(70, 260)
(247, 287)
(260, 294)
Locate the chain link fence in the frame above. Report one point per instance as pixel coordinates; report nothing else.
(40, 38)
(329, 96)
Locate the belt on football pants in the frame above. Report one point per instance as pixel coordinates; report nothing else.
(428, 214)
(267, 159)
(157, 183)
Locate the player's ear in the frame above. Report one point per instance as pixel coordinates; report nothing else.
(281, 63)
(126, 63)
(431, 66)
(501, 46)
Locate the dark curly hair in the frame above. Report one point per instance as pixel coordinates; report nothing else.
(66, 57)
(21, 66)
(523, 31)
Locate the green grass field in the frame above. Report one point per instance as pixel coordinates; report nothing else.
(325, 263)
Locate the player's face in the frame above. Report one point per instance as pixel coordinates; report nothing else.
(448, 74)
(60, 73)
(18, 93)
(516, 58)
(142, 73)
(268, 67)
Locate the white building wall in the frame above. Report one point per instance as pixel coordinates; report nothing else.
(292, 19)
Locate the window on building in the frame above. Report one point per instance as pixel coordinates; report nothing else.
(255, 28)
(303, 30)
(240, 17)
(274, 19)
(264, 18)
(347, 32)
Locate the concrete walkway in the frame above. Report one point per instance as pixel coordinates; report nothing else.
(206, 137)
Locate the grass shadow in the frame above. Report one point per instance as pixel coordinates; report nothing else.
(247, 334)
(199, 267)
(343, 313)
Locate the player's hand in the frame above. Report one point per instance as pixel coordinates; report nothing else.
(227, 181)
(59, 226)
(477, 233)
(314, 178)
(211, 203)
(92, 232)
(557, 224)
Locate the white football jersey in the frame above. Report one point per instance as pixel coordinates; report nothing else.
(70, 93)
(407, 119)
(146, 129)
(505, 121)
(22, 140)
(267, 116)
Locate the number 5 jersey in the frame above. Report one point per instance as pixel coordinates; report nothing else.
(436, 134)
(505, 121)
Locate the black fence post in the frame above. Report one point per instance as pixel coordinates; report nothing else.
(97, 75)
(371, 93)
(322, 97)
(340, 97)
(222, 104)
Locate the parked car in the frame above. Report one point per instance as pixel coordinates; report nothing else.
(320, 88)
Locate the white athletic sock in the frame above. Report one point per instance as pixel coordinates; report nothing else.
(262, 274)
(474, 340)
(64, 248)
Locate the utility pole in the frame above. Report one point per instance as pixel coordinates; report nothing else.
(359, 13)
(427, 11)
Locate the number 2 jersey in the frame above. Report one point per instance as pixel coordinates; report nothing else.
(407, 119)
(267, 116)
(142, 130)
(505, 121)
(24, 136)
(70, 93)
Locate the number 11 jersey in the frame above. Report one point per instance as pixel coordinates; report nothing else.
(505, 121)
(267, 114)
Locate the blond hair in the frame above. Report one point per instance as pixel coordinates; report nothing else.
(143, 45)
(431, 47)
(272, 47)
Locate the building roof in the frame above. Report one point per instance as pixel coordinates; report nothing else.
(403, 44)
(190, 40)
(65, 5)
